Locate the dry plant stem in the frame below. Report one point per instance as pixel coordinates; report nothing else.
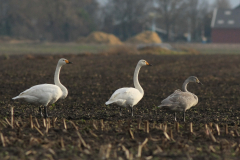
(31, 121)
(3, 123)
(8, 122)
(211, 135)
(47, 126)
(165, 128)
(140, 148)
(131, 133)
(127, 153)
(82, 141)
(236, 133)
(94, 125)
(154, 124)
(37, 122)
(62, 143)
(218, 130)
(12, 117)
(139, 123)
(171, 134)
(177, 127)
(38, 130)
(49, 122)
(165, 132)
(206, 130)
(147, 126)
(64, 123)
(93, 134)
(226, 129)
(2, 139)
(161, 126)
(54, 122)
(210, 124)
(109, 147)
(17, 124)
(44, 122)
(191, 127)
(74, 125)
(102, 124)
(102, 151)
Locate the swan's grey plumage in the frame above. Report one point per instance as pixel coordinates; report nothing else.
(129, 97)
(180, 101)
(45, 94)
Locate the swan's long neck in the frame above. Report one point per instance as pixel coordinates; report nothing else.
(58, 83)
(184, 87)
(135, 80)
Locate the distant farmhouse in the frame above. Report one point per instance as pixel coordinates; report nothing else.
(226, 25)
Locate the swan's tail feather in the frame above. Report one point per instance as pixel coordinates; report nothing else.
(164, 105)
(16, 97)
(108, 102)
(160, 106)
(118, 102)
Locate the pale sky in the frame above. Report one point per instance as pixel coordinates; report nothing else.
(234, 3)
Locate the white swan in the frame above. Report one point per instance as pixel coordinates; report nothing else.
(45, 94)
(129, 97)
(180, 101)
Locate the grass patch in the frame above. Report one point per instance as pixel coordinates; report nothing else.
(49, 48)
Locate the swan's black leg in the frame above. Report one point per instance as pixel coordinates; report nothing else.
(184, 116)
(175, 116)
(120, 111)
(132, 111)
(40, 111)
(45, 112)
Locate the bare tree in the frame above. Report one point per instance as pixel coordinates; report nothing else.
(171, 11)
(55, 20)
(125, 18)
(223, 4)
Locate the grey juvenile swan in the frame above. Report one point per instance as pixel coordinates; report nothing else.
(180, 101)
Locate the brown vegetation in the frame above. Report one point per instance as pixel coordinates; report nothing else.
(100, 38)
(145, 37)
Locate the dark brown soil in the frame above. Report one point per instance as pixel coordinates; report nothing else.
(91, 80)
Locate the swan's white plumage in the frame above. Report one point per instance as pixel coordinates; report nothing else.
(42, 94)
(125, 97)
(129, 97)
(45, 94)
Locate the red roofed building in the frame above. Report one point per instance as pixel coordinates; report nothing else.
(226, 26)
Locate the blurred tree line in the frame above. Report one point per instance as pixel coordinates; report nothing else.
(66, 20)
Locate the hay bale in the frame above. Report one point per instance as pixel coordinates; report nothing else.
(101, 38)
(145, 37)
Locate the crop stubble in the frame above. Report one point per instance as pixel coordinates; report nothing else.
(94, 130)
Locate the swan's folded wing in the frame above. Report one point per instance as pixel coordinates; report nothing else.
(40, 90)
(172, 98)
(122, 94)
(179, 98)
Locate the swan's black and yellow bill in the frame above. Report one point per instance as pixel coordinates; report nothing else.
(200, 83)
(148, 64)
(67, 61)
